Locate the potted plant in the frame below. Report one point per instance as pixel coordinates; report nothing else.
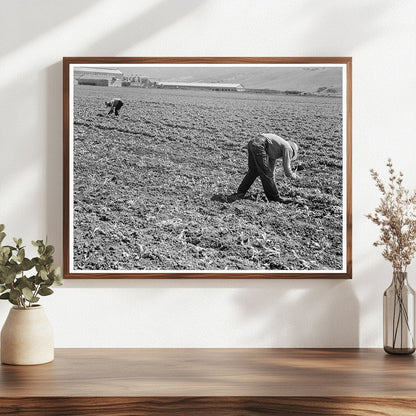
(27, 336)
(396, 217)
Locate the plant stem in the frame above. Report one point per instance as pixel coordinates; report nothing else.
(394, 315)
(401, 314)
(36, 291)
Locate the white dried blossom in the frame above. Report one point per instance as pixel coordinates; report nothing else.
(396, 217)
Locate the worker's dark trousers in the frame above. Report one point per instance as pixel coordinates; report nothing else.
(117, 108)
(258, 165)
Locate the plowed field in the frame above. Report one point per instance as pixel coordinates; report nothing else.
(146, 183)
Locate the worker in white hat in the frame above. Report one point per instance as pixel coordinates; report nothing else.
(263, 151)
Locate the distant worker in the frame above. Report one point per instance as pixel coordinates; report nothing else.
(115, 105)
(263, 151)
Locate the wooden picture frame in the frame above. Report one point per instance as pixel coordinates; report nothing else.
(151, 192)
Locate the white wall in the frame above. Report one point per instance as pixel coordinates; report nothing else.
(380, 35)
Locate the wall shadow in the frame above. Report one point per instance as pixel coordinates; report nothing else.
(40, 15)
(137, 29)
(157, 18)
(337, 19)
(54, 146)
(22, 173)
(302, 314)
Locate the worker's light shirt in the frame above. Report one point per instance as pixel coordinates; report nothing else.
(277, 148)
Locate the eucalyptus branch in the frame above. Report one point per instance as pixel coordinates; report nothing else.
(16, 284)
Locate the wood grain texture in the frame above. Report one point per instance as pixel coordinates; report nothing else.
(212, 381)
(205, 60)
(66, 167)
(207, 406)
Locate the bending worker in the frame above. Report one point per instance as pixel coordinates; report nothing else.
(263, 151)
(115, 105)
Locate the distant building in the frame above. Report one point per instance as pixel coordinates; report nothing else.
(98, 76)
(138, 81)
(211, 86)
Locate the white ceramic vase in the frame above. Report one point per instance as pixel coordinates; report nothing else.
(27, 337)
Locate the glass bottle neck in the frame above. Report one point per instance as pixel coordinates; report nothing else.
(400, 277)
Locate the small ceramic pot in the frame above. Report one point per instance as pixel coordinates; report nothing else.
(27, 337)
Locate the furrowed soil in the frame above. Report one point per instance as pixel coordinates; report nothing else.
(148, 184)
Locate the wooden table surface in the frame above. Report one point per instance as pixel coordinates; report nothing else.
(212, 382)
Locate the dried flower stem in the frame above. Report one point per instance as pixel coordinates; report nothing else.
(396, 216)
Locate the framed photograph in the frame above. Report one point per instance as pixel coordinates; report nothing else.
(207, 168)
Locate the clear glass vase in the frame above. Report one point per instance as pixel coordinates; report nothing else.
(399, 316)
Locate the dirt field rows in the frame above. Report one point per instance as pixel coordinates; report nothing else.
(144, 182)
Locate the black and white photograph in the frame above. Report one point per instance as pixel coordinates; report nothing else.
(207, 169)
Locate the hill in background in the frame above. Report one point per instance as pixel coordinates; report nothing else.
(307, 79)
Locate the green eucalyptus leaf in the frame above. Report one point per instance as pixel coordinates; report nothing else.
(11, 247)
(26, 264)
(45, 291)
(13, 269)
(9, 277)
(55, 277)
(15, 294)
(43, 275)
(55, 273)
(38, 280)
(58, 280)
(21, 255)
(49, 250)
(7, 297)
(13, 302)
(45, 260)
(27, 293)
(15, 285)
(4, 255)
(24, 282)
(5, 250)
